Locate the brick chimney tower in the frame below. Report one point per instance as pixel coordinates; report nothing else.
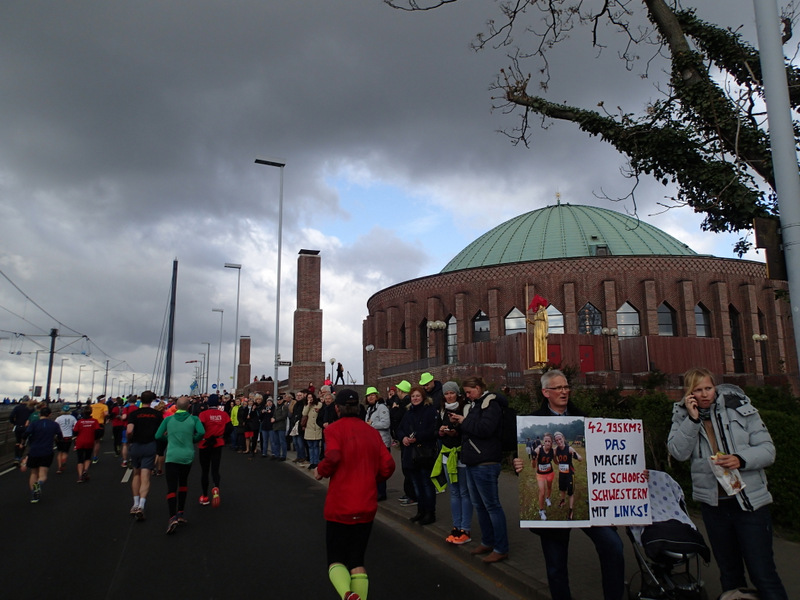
(243, 369)
(307, 364)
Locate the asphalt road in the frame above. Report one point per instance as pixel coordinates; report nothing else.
(265, 540)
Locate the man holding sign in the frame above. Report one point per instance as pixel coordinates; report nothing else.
(555, 541)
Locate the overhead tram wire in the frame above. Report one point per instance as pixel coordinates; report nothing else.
(62, 326)
(21, 318)
(32, 301)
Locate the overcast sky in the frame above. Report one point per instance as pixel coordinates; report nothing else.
(128, 137)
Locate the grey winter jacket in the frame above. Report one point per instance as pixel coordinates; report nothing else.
(280, 415)
(740, 431)
(378, 417)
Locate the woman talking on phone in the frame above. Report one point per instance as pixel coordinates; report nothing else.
(717, 423)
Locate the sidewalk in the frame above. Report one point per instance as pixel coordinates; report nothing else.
(523, 574)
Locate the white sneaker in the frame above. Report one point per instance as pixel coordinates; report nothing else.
(547, 501)
(542, 515)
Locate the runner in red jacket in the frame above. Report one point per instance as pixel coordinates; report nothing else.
(86, 432)
(218, 427)
(355, 458)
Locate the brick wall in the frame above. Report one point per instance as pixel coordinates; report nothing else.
(605, 281)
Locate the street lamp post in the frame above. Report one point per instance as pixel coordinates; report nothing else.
(78, 391)
(219, 353)
(202, 372)
(93, 372)
(208, 362)
(238, 268)
(60, 374)
(280, 165)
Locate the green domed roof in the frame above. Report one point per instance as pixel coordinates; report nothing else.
(566, 231)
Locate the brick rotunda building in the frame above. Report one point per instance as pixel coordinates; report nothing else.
(623, 299)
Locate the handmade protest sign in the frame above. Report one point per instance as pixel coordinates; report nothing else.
(618, 492)
(581, 472)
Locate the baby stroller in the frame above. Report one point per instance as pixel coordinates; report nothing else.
(669, 551)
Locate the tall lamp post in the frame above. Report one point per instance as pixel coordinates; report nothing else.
(78, 391)
(782, 145)
(280, 165)
(91, 395)
(238, 268)
(219, 353)
(60, 374)
(202, 372)
(208, 361)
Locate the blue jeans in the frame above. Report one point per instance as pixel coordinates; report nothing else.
(555, 547)
(313, 451)
(300, 447)
(233, 439)
(738, 538)
(483, 492)
(265, 435)
(278, 443)
(423, 487)
(460, 504)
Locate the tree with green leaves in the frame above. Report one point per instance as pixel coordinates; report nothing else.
(706, 133)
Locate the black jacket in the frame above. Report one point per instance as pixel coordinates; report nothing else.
(437, 395)
(480, 431)
(423, 421)
(327, 414)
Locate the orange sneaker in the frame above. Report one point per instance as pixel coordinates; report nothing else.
(462, 538)
(453, 534)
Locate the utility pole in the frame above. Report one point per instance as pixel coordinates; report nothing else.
(53, 336)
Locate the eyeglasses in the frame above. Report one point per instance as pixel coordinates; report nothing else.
(559, 388)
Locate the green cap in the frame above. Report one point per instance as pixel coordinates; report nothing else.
(404, 386)
(370, 390)
(425, 378)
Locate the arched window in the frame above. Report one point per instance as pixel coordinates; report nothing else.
(702, 320)
(555, 320)
(628, 321)
(403, 336)
(515, 321)
(736, 339)
(480, 327)
(452, 340)
(666, 320)
(590, 320)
